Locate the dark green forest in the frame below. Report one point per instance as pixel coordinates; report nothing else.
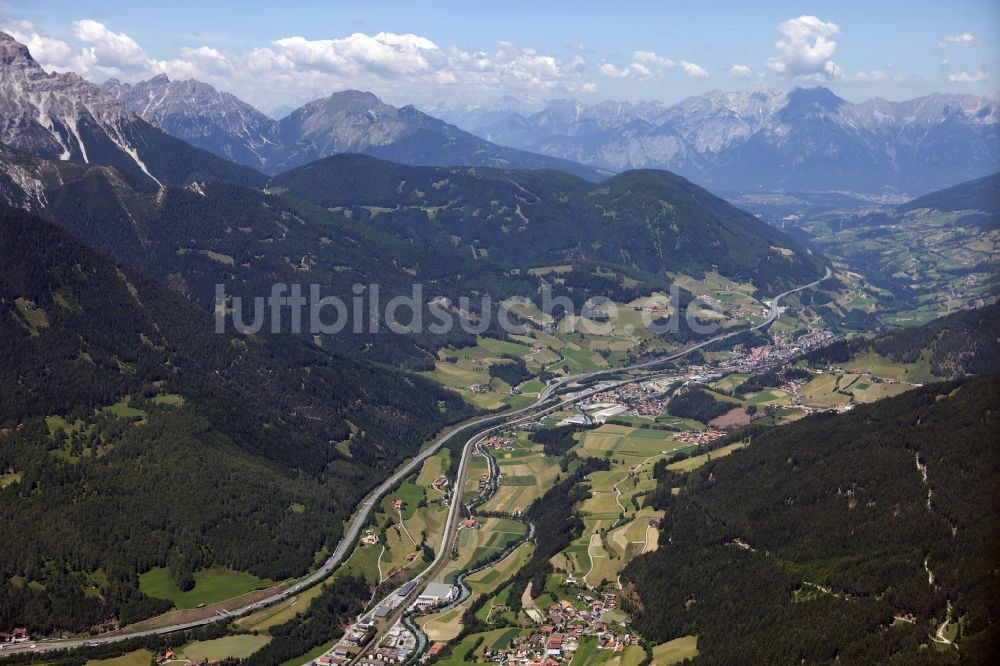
(650, 220)
(698, 404)
(263, 424)
(959, 344)
(811, 543)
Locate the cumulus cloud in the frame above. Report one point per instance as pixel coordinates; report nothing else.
(969, 77)
(649, 65)
(50, 52)
(806, 49)
(302, 69)
(693, 70)
(965, 39)
(740, 72)
(870, 76)
(650, 58)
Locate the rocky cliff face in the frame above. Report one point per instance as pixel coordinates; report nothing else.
(196, 112)
(63, 117)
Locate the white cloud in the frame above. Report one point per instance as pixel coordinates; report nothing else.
(693, 70)
(871, 76)
(108, 52)
(740, 72)
(649, 65)
(965, 39)
(49, 52)
(805, 49)
(609, 70)
(969, 77)
(648, 57)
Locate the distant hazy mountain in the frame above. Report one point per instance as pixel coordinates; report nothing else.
(201, 115)
(345, 122)
(359, 122)
(804, 139)
(63, 117)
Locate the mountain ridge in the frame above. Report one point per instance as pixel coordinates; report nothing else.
(345, 121)
(764, 139)
(64, 117)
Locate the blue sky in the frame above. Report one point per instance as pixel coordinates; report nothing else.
(283, 54)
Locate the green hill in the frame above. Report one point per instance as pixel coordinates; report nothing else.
(953, 346)
(132, 436)
(651, 220)
(845, 538)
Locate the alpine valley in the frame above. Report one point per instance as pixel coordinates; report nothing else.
(706, 382)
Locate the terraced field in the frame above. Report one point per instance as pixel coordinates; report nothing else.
(493, 536)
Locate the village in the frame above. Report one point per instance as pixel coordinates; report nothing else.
(585, 614)
(562, 629)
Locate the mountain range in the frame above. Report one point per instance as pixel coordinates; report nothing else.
(653, 221)
(806, 139)
(63, 117)
(348, 121)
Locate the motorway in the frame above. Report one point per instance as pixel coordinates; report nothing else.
(367, 505)
(451, 525)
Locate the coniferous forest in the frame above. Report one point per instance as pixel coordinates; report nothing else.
(823, 542)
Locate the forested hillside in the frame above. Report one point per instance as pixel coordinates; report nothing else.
(959, 344)
(651, 220)
(133, 436)
(851, 538)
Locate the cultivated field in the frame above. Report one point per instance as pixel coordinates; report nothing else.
(211, 585)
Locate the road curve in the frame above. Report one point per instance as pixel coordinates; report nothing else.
(454, 513)
(368, 504)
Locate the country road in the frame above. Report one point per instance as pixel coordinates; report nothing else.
(451, 524)
(367, 505)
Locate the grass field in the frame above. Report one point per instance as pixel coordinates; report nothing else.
(610, 507)
(445, 626)
(410, 493)
(240, 646)
(169, 399)
(136, 658)
(123, 411)
(694, 462)
(492, 577)
(433, 467)
(9, 478)
(822, 390)
(530, 474)
(675, 651)
(211, 585)
(493, 536)
(280, 613)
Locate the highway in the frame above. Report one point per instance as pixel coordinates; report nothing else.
(454, 514)
(366, 506)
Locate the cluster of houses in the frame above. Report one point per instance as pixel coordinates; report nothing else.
(498, 443)
(647, 399)
(395, 648)
(698, 437)
(563, 628)
(19, 635)
(784, 348)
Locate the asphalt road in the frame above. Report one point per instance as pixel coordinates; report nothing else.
(368, 504)
(451, 525)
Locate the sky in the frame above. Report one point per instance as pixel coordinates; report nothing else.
(473, 53)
